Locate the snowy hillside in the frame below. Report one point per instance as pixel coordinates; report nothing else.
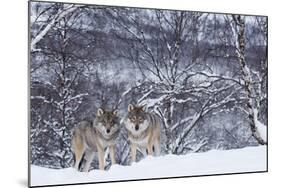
(213, 162)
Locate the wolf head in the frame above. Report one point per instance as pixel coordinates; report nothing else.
(136, 120)
(107, 122)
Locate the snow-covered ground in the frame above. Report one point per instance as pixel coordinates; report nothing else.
(212, 162)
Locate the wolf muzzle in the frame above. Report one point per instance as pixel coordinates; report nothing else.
(107, 131)
(137, 127)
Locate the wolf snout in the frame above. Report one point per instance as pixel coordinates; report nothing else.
(107, 131)
(137, 127)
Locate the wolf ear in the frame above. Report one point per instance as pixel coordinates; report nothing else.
(143, 108)
(130, 107)
(115, 112)
(100, 112)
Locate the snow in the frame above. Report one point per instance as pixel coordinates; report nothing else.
(247, 159)
(168, 46)
(262, 129)
(153, 102)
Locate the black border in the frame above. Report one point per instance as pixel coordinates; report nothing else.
(130, 180)
(29, 96)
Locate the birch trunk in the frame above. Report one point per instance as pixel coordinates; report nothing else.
(239, 31)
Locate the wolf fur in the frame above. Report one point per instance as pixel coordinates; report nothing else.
(143, 131)
(90, 138)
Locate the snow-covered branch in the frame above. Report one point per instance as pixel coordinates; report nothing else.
(183, 121)
(207, 107)
(75, 97)
(61, 14)
(194, 147)
(180, 139)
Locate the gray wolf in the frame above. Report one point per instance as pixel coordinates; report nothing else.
(91, 138)
(143, 131)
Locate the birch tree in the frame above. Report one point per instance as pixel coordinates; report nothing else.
(253, 102)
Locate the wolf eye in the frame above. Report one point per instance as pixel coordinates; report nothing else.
(140, 119)
(133, 118)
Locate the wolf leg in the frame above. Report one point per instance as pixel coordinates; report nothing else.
(112, 155)
(78, 154)
(144, 152)
(133, 152)
(101, 158)
(149, 148)
(89, 159)
(157, 147)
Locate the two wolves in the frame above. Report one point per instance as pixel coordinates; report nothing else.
(89, 138)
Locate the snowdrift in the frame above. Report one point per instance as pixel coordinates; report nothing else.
(248, 159)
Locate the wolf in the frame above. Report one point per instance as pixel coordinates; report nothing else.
(91, 138)
(143, 131)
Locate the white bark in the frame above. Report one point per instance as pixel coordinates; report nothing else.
(261, 128)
